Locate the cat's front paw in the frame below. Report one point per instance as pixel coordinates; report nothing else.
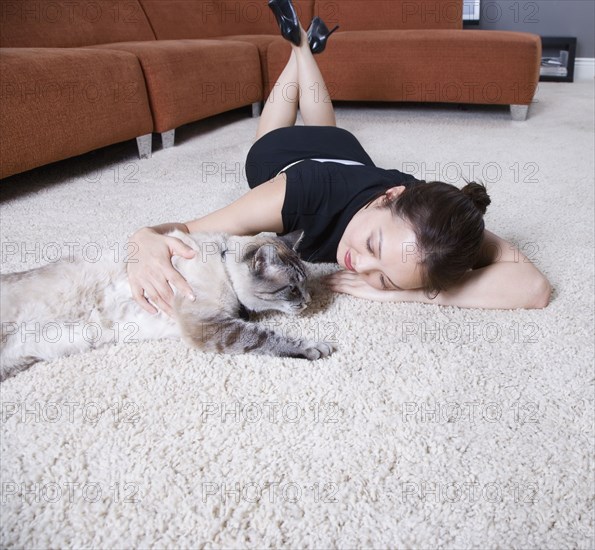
(318, 350)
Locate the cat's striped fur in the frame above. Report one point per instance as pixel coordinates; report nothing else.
(229, 275)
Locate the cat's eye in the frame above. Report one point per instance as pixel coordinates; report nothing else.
(288, 288)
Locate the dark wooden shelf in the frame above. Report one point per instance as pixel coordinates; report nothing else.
(559, 44)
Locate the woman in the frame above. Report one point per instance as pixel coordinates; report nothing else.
(398, 239)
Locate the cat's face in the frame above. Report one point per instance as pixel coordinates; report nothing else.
(278, 276)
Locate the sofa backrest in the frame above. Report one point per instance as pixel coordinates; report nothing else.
(355, 15)
(173, 19)
(71, 23)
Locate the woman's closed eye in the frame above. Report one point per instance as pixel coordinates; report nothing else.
(383, 284)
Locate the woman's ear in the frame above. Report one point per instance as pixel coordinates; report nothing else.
(387, 197)
(394, 192)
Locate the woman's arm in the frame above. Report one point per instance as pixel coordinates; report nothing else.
(257, 211)
(503, 278)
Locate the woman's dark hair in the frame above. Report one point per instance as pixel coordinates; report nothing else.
(448, 225)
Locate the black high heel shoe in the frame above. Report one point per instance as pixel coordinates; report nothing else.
(318, 34)
(287, 20)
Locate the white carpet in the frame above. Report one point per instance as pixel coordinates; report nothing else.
(127, 446)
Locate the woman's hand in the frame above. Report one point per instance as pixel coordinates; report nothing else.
(150, 270)
(353, 283)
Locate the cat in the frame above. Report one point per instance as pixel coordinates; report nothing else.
(72, 306)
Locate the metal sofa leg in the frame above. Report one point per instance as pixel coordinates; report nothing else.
(256, 109)
(519, 112)
(167, 138)
(144, 144)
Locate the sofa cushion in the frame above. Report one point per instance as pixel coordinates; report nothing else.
(488, 67)
(61, 102)
(172, 19)
(262, 42)
(355, 15)
(188, 80)
(68, 23)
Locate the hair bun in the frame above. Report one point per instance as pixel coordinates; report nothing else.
(477, 192)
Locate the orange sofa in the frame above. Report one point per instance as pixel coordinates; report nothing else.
(76, 76)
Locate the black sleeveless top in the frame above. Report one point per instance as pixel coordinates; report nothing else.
(322, 197)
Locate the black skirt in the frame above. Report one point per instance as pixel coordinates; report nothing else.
(278, 148)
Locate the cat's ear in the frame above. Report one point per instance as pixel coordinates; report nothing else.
(293, 239)
(265, 256)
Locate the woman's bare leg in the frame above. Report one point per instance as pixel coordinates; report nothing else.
(301, 83)
(281, 107)
(315, 101)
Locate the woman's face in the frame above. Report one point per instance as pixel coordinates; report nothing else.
(381, 248)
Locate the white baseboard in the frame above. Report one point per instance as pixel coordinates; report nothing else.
(584, 68)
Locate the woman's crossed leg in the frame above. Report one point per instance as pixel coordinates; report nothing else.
(300, 84)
